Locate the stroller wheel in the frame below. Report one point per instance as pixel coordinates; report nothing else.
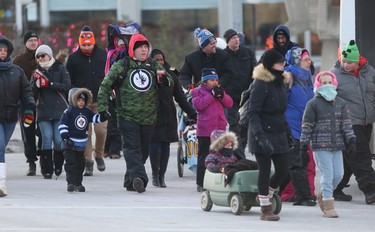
(180, 161)
(236, 204)
(206, 202)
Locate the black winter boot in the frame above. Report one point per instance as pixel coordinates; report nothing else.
(32, 169)
(155, 166)
(89, 168)
(163, 169)
(46, 164)
(58, 160)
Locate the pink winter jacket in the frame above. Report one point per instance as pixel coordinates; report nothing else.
(210, 110)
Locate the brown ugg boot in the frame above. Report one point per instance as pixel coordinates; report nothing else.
(319, 198)
(267, 213)
(329, 209)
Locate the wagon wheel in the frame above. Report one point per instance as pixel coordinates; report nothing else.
(180, 161)
(276, 204)
(246, 207)
(236, 204)
(206, 202)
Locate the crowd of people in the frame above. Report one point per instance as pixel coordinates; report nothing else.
(294, 120)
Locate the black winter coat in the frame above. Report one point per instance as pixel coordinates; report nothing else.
(267, 105)
(87, 71)
(197, 60)
(166, 123)
(243, 61)
(14, 88)
(51, 104)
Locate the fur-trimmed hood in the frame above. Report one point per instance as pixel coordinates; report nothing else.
(262, 74)
(219, 143)
(75, 92)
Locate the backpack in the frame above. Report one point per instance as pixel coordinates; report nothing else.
(243, 111)
(118, 44)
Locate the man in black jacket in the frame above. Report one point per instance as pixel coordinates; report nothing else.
(207, 56)
(244, 61)
(86, 69)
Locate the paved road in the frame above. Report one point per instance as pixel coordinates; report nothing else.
(35, 204)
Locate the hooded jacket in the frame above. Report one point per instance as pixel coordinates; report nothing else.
(137, 98)
(215, 161)
(267, 105)
(289, 44)
(14, 88)
(74, 122)
(358, 92)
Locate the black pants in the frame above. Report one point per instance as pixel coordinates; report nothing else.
(136, 140)
(361, 163)
(113, 141)
(347, 173)
(232, 117)
(74, 166)
(298, 173)
(203, 150)
(280, 162)
(29, 141)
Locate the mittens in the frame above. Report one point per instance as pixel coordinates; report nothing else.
(67, 143)
(218, 92)
(105, 115)
(40, 80)
(28, 118)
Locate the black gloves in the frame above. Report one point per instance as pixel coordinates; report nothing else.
(67, 143)
(304, 153)
(105, 115)
(291, 142)
(351, 148)
(193, 117)
(266, 145)
(218, 92)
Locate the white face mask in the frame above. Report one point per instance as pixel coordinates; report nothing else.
(327, 91)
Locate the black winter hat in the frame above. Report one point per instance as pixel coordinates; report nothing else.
(229, 34)
(28, 35)
(271, 57)
(140, 43)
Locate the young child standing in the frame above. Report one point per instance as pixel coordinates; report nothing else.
(73, 127)
(328, 129)
(222, 146)
(209, 101)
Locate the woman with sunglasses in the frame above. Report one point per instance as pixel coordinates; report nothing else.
(51, 83)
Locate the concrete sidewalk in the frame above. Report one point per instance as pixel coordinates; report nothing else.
(35, 204)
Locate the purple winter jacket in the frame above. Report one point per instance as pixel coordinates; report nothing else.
(210, 110)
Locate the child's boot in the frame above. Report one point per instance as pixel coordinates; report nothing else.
(89, 168)
(329, 209)
(267, 213)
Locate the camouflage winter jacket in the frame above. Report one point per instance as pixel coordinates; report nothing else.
(137, 98)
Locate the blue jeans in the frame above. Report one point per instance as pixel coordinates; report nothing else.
(330, 165)
(6, 131)
(50, 133)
